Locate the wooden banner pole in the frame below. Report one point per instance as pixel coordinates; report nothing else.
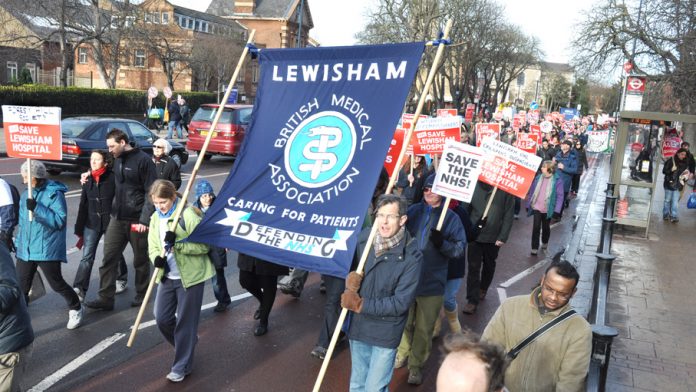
(392, 179)
(189, 185)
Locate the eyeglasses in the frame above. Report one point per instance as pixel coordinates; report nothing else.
(387, 217)
(427, 189)
(157, 147)
(550, 291)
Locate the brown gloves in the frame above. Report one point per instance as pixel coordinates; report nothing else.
(353, 281)
(351, 301)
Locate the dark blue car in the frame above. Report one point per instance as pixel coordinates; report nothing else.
(82, 135)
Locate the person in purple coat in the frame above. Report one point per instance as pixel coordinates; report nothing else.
(544, 201)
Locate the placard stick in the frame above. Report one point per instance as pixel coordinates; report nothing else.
(189, 185)
(29, 194)
(392, 179)
(445, 205)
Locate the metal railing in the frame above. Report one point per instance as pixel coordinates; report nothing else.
(602, 335)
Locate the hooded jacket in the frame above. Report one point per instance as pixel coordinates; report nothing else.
(557, 361)
(15, 324)
(43, 238)
(135, 173)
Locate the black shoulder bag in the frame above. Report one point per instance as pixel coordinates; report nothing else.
(515, 351)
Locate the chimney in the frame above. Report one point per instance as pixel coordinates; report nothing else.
(244, 6)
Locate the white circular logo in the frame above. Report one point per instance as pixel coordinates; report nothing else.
(320, 149)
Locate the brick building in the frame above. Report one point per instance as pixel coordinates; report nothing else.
(160, 33)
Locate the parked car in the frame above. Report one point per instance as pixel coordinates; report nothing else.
(229, 133)
(82, 135)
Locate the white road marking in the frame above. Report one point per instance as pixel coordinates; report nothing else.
(502, 295)
(76, 363)
(73, 365)
(524, 273)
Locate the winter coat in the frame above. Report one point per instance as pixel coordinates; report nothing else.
(546, 154)
(500, 215)
(555, 203)
(413, 193)
(421, 218)
(260, 267)
(168, 170)
(174, 112)
(191, 257)
(556, 361)
(388, 289)
(43, 238)
(8, 218)
(218, 255)
(570, 167)
(94, 210)
(15, 324)
(135, 173)
(582, 160)
(672, 173)
(456, 267)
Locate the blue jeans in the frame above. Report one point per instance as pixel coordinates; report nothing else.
(671, 203)
(372, 367)
(174, 125)
(451, 288)
(89, 251)
(220, 286)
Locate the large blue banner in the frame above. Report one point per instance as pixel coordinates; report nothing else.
(322, 123)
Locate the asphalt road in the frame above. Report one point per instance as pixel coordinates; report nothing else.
(229, 357)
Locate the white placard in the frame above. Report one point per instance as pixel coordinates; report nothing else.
(458, 171)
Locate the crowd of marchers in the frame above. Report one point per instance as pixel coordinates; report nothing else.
(412, 274)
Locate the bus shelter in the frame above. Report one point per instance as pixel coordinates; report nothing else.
(637, 162)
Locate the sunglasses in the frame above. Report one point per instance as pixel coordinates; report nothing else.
(157, 147)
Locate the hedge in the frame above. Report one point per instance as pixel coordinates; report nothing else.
(88, 101)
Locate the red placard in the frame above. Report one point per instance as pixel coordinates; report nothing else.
(33, 132)
(508, 168)
(486, 130)
(407, 120)
(670, 146)
(446, 112)
(431, 133)
(395, 147)
(469, 114)
(528, 142)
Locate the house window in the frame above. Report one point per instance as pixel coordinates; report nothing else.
(140, 58)
(240, 77)
(190, 23)
(155, 17)
(130, 20)
(114, 21)
(11, 71)
(82, 55)
(147, 18)
(165, 17)
(32, 71)
(255, 73)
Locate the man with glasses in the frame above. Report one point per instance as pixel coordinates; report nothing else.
(438, 247)
(559, 359)
(381, 296)
(130, 217)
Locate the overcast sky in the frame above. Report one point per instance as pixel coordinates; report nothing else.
(337, 21)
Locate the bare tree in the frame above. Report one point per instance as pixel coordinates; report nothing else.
(213, 60)
(661, 43)
(485, 52)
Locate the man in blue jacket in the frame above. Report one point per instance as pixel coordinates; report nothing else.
(380, 304)
(438, 247)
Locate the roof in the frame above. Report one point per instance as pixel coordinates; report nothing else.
(208, 17)
(557, 67)
(270, 9)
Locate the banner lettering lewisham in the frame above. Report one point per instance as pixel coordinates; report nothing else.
(510, 169)
(33, 132)
(300, 188)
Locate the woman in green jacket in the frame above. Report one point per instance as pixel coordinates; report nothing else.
(181, 275)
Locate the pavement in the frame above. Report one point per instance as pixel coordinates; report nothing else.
(651, 299)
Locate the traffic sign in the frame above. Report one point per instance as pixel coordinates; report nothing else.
(167, 92)
(628, 66)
